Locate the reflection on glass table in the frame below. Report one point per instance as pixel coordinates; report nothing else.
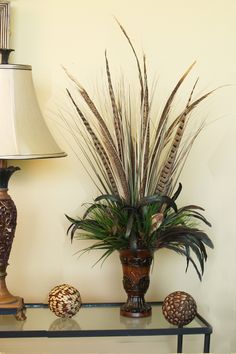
(100, 320)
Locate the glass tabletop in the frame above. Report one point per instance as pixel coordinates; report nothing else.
(94, 320)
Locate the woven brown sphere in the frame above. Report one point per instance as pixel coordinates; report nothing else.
(179, 308)
(64, 300)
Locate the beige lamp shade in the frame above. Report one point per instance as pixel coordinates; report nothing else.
(23, 131)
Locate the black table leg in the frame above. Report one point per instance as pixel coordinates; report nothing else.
(207, 343)
(180, 343)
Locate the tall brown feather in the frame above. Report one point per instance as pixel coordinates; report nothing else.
(171, 98)
(98, 146)
(165, 175)
(116, 117)
(146, 129)
(108, 141)
(187, 110)
(94, 110)
(137, 60)
(165, 113)
(92, 107)
(145, 103)
(162, 184)
(176, 121)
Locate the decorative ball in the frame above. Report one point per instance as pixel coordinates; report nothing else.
(179, 308)
(64, 300)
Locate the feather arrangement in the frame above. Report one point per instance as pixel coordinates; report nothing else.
(136, 158)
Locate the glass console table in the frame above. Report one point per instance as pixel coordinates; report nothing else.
(99, 320)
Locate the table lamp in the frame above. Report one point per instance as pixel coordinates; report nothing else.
(23, 136)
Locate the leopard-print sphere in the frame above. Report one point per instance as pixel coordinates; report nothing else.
(179, 308)
(64, 300)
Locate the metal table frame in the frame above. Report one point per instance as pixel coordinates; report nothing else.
(204, 329)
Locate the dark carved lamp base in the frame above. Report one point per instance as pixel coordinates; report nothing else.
(9, 304)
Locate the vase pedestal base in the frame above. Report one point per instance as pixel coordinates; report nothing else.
(136, 307)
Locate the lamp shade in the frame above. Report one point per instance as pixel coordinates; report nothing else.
(23, 131)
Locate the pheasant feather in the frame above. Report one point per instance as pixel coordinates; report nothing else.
(99, 148)
(137, 60)
(146, 130)
(117, 123)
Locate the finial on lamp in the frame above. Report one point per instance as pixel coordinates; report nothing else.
(5, 53)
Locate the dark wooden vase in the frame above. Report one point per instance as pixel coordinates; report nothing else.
(136, 268)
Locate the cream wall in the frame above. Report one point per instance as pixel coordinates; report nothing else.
(172, 33)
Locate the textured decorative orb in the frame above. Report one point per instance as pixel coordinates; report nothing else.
(64, 300)
(179, 308)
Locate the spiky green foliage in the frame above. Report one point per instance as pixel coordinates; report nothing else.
(136, 159)
(153, 224)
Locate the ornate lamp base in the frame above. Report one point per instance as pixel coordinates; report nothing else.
(9, 304)
(15, 307)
